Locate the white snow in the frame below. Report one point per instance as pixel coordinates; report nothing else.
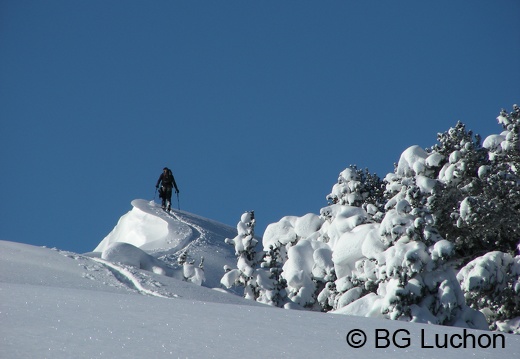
(151, 233)
(493, 142)
(148, 227)
(282, 231)
(129, 300)
(412, 161)
(425, 184)
(130, 255)
(349, 249)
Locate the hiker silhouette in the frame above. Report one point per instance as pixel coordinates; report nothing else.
(167, 183)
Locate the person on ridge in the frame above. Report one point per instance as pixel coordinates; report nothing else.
(167, 182)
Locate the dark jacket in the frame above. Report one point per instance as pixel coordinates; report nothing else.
(167, 179)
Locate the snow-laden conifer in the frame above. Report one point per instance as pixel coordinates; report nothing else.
(393, 248)
(191, 272)
(491, 284)
(247, 273)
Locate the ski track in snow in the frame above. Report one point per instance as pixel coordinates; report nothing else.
(130, 280)
(123, 275)
(198, 229)
(199, 233)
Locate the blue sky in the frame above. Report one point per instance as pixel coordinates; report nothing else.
(255, 105)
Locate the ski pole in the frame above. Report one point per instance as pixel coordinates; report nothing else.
(155, 194)
(178, 202)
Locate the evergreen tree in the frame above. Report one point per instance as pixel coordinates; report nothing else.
(190, 272)
(273, 291)
(477, 202)
(247, 273)
(491, 284)
(359, 188)
(393, 247)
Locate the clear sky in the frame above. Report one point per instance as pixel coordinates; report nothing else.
(254, 105)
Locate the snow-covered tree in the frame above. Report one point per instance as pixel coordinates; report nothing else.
(401, 262)
(247, 273)
(392, 248)
(191, 273)
(359, 188)
(293, 240)
(477, 204)
(272, 291)
(347, 259)
(491, 284)
(462, 155)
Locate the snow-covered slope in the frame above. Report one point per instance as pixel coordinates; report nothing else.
(38, 267)
(57, 304)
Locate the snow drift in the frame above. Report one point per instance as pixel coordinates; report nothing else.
(149, 238)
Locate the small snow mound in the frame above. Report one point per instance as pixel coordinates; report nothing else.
(425, 184)
(307, 225)
(493, 142)
(434, 160)
(281, 231)
(131, 255)
(412, 162)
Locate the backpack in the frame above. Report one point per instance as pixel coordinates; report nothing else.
(169, 177)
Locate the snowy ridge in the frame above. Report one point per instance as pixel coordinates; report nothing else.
(149, 227)
(161, 237)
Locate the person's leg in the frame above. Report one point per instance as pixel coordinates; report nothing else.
(164, 191)
(169, 196)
